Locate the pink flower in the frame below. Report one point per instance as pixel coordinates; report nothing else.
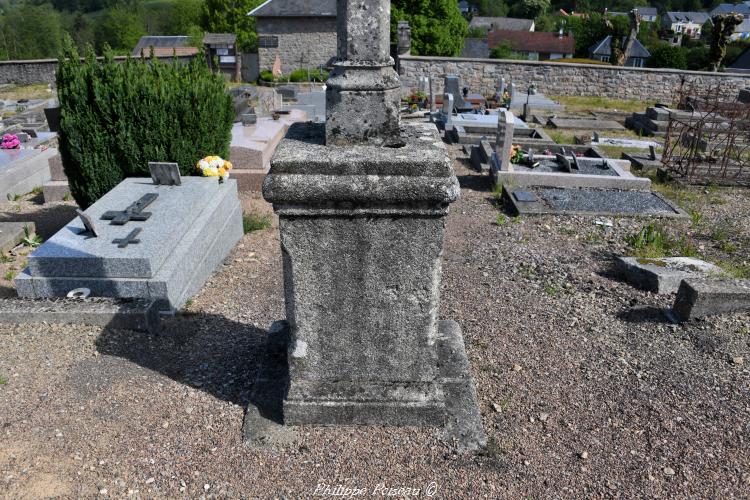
(10, 141)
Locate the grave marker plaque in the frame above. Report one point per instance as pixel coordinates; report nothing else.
(165, 174)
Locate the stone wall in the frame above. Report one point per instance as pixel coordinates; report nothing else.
(311, 37)
(39, 71)
(481, 75)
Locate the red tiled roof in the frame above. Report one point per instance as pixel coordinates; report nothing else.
(533, 41)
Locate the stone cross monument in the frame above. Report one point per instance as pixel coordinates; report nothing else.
(362, 202)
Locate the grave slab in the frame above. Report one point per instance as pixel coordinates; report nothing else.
(12, 233)
(589, 201)
(22, 170)
(698, 298)
(191, 231)
(123, 314)
(664, 275)
(585, 124)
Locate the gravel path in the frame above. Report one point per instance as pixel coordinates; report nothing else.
(584, 390)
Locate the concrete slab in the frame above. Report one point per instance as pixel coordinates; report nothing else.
(664, 275)
(699, 298)
(585, 124)
(589, 201)
(54, 191)
(22, 170)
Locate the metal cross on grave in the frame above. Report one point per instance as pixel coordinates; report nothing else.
(133, 213)
(130, 239)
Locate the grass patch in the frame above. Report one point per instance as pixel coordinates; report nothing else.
(501, 220)
(30, 240)
(14, 197)
(653, 242)
(67, 197)
(3, 380)
(560, 137)
(34, 91)
(576, 103)
(734, 270)
(255, 222)
(551, 289)
(37, 190)
(9, 275)
(6, 259)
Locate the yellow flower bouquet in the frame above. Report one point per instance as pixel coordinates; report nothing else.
(214, 166)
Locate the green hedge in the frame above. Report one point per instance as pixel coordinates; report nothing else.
(116, 117)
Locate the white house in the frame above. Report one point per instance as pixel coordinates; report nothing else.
(685, 23)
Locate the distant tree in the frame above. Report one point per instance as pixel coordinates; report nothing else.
(667, 56)
(30, 32)
(120, 28)
(81, 29)
(505, 51)
(437, 26)
(530, 9)
(492, 8)
(230, 16)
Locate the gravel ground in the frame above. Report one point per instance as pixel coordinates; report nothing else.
(584, 390)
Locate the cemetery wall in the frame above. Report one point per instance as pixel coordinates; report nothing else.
(481, 75)
(40, 70)
(312, 39)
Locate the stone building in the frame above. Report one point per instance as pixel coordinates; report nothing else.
(302, 33)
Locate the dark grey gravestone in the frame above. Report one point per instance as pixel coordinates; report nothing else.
(605, 201)
(249, 119)
(125, 314)
(88, 223)
(31, 132)
(563, 161)
(701, 298)
(165, 174)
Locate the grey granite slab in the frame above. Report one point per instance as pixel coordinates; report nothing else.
(208, 241)
(69, 254)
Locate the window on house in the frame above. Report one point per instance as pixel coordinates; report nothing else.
(268, 42)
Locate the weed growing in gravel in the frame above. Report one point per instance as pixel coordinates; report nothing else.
(696, 219)
(14, 197)
(67, 197)
(255, 222)
(728, 247)
(734, 270)
(3, 380)
(30, 240)
(653, 242)
(501, 220)
(505, 403)
(5, 259)
(497, 191)
(37, 190)
(9, 275)
(551, 289)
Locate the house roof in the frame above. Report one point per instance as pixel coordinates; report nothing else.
(743, 27)
(533, 41)
(502, 23)
(726, 8)
(159, 43)
(219, 38)
(742, 64)
(648, 11)
(604, 48)
(693, 17)
(476, 48)
(295, 8)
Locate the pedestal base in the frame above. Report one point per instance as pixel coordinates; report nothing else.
(270, 414)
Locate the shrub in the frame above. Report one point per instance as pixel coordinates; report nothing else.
(115, 118)
(266, 76)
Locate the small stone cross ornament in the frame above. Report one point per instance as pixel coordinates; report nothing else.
(130, 239)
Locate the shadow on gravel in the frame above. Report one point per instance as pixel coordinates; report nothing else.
(475, 182)
(48, 220)
(205, 351)
(644, 314)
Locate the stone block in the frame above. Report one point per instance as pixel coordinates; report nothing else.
(12, 233)
(698, 298)
(22, 170)
(57, 172)
(123, 314)
(54, 191)
(664, 275)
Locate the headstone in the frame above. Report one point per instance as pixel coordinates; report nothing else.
(511, 91)
(596, 136)
(448, 111)
(190, 231)
(500, 90)
(88, 223)
(433, 100)
(249, 119)
(652, 152)
(30, 132)
(165, 174)
(362, 253)
(504, 140)
(564, 163)
(452, 86)
(404, 38)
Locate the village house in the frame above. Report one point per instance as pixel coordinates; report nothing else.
(602, 51)
(688, 24)
(535, 45)
(728, 8)
(301, 33)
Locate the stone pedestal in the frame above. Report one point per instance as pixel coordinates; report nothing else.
(362, 232)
